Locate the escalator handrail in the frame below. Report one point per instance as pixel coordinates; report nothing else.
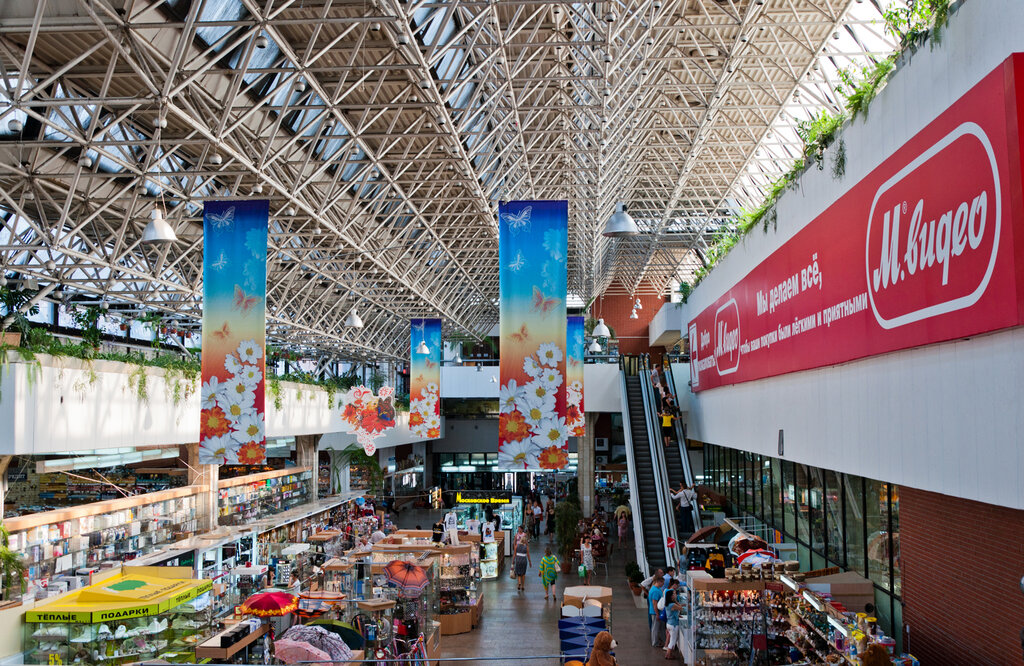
(634, 495)
(684, 456)
(665, 510)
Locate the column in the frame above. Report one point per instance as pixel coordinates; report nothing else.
(585, 465)
(306, 456)
(207, 477)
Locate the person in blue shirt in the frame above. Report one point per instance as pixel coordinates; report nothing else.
(672, 609)
(657, 624)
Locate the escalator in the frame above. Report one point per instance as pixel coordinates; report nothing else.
(653, 518)
(677, 460)
(645, 486)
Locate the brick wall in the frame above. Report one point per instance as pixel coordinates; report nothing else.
(962, 564)
(631, 333)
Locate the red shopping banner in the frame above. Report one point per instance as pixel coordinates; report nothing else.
(920, 251)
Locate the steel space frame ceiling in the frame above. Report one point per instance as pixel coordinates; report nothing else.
(385, 132)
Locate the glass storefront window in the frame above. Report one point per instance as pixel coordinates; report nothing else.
(788, 499)
(802, 508)
(894, 503)
(816, 507)
(773, 515)
(835, 552)
(876, 497)
(855, 525)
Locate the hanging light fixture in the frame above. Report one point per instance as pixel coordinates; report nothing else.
(595, 347)
(157, 230)
(458, 356)
(620, 223)
(422, 347)
(637, 305)
(633, 315)
(353, 320)
(601, 330)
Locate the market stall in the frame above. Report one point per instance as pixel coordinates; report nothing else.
(151, 612)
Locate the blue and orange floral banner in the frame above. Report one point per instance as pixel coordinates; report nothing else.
(533, 249)
(574, 377)
(425, 378)
(232, 424)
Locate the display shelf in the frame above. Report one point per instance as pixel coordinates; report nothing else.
(256, 496)
(211, 649)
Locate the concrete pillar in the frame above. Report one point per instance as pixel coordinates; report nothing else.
(207, 477)
(306, 456)
(585, 466)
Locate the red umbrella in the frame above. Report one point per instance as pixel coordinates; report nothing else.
(410, 578)
(270, 604)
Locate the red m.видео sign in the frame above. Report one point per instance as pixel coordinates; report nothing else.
(920, 251)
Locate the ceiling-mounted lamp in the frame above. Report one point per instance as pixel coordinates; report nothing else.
(638, 305)
(601, 330)
(30, 284)
(353, 320)
(262, 42)
(158, 230)
(620, 223)
(216, 159)
(595, 347)
(422, 348)
(403, 39)
(85, 161)
(633, 315)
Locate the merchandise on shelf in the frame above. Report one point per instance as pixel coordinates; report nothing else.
(55, 544)
(459, 595)
(125, 618)
(242, 500)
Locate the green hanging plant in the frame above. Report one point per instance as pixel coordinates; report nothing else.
(88, 319)
(137, 381)
(274, 385)
(839, 161)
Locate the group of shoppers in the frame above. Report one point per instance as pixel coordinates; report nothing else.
(663, 607)
(521, 561)
(540, 519)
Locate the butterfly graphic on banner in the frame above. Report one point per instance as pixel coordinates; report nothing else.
(543, 304)
(224, 220)
(420, 327)
(243, 301)
(221, 263)
(522, 335)
(223, 333)
(518, 222)
(517, 263)
(430, 364)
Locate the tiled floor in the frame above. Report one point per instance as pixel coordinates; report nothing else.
(521, 624)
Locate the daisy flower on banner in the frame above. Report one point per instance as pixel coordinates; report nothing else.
(550, 354)
(518, 455)
(250, 351)
(509, 396)
(249, 428)
(532, 367)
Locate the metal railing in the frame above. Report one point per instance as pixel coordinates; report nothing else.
(665, 509)
(634, 499)
(684, 456)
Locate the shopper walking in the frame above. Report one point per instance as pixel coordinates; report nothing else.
(623, 527)
(586, 559)
(551, 517)
(657, 622)
(520, 562)
(667, 418)
(548, 573)
(538, 517)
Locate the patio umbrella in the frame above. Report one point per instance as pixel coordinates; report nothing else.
(345, 631)
(270, 604)
(292, 652)
(408, 577)
(321, 639)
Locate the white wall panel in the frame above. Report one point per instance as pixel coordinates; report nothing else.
(945, 417)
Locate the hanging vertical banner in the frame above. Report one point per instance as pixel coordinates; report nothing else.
(425, 378)
(231, 426)
(532, 248)
(574, 377)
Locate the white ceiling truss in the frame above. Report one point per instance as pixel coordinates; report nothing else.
(385, 132)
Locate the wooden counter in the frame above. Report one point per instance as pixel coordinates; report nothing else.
(211, 649)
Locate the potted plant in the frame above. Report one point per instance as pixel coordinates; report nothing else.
(634, 577)
(12, 572)
(14, 302)
(567, 517)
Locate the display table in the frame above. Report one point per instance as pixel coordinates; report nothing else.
(211, 649)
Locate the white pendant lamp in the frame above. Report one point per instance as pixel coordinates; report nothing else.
(601, 331)
(157, 230)
(595, 347)
(422, 347)
(620, 223)
(633, 315)
(638, 305)
(353, 320)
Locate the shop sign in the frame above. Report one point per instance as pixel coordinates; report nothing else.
(497, 497)
(58, 616)
(918, 252)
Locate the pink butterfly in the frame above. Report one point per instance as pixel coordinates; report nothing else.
(243, 301)
(542, 304)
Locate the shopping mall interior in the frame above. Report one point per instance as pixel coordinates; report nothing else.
(505, 332)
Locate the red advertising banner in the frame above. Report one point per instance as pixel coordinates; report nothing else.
(920, 251)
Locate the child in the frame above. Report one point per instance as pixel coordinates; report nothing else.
(548, 573)
(587, 559)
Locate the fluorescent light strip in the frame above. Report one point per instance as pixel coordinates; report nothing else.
(790, 582)
(813, 600)
(88, 462)
(839, 626)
